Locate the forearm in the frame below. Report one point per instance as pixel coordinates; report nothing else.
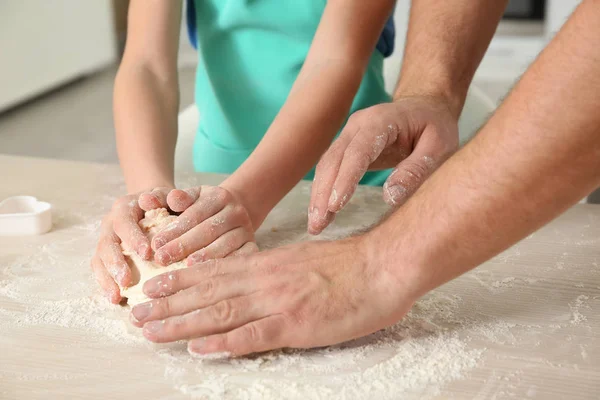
(145, 112)
(445, 43)
(538, 155)
(296, 139)
(316, 107)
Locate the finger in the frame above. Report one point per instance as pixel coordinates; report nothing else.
(246, 249)
(172, 282)
(180, 200)
(203, 294)
(410, 174)
(359, 155)
(125, 222)
(200, 211)
(325, 174)
(111, 255)
(106, 282)
(220, 317)
(155, 198)
(199, 237)
(255, 337)
(222, 246)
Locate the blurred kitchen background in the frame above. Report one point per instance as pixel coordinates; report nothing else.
(58, 60)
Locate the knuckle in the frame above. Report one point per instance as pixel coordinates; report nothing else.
(207, 289)
(393, 128)
(243, 219)
(253, 333)
(234, 214)
(222, 312)
(279, 291)
(222, 195)
(212, 268)
(415, 172)
(162, 306)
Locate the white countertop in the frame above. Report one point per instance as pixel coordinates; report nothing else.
(524, 325)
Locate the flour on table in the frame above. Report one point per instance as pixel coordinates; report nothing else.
(143, 270)
(441, 340)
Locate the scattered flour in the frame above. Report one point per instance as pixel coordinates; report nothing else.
(506, 282)
(577, 316)
(52, 285)
(433, 345)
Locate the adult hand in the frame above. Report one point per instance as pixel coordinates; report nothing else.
(213, 224)
(305, 295)
(120, 225)
(414, 134)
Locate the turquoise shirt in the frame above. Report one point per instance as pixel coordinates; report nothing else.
(250, 53)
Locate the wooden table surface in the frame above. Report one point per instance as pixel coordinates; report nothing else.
(524, 325)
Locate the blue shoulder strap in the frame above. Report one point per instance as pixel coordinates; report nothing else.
(190, 16)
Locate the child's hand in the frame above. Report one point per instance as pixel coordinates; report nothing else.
(121, 225)
(213, 224)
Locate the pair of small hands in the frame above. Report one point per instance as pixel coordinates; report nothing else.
(213, 224)
(303, 295)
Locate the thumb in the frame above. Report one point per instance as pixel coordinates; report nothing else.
(410, 174)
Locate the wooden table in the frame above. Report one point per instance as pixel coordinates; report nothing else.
(524, 325)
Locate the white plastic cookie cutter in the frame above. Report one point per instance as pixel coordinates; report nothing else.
(24, 215)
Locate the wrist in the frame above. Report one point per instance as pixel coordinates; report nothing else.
(453, 94)
(244, 194)
(400, 262)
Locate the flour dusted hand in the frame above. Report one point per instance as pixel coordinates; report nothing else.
(142, 270)
(119, 227)
(413, 134)
(213, 224)
(305, 295)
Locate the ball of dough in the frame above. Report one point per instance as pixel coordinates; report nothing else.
(143, 270)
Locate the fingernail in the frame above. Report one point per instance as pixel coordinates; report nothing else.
(143, 250)
(332, 198)
(196, 346)
(163, 257)
(120, 277)
(153, 326)
(396, 193)
(314, 214)
(158, 243)
(221, 355)
(142, 311)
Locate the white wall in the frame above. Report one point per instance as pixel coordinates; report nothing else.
(46, 43)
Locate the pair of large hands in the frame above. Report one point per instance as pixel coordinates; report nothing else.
(304, 295)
